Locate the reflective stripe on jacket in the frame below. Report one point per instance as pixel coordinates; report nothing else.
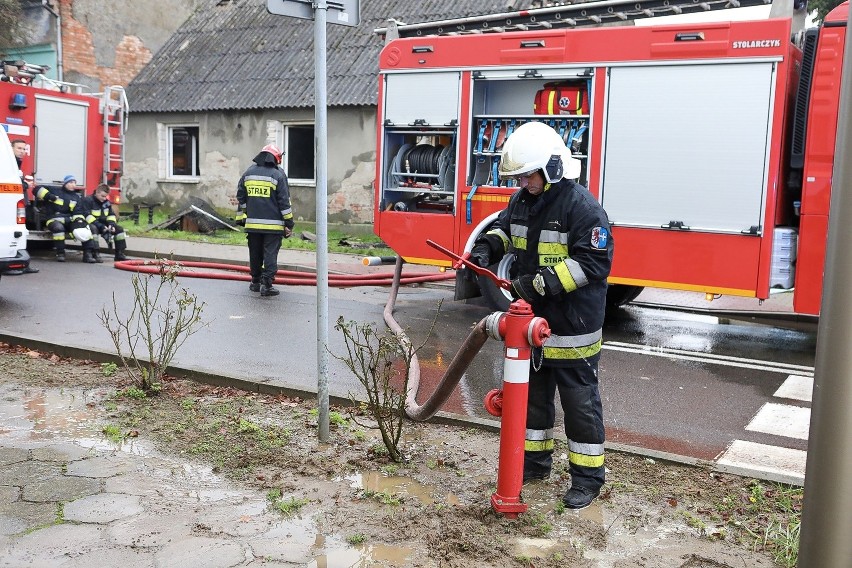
(567, 230)
(263, 195)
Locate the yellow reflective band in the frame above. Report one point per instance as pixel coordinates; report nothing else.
(263, 227)
(556, 249)
(538, 445)
(565, 277)
(59, 236)
(519, 243)
(572, 352)
(585, 461)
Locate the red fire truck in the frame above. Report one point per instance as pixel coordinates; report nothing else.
(67, 131)
(710, 145)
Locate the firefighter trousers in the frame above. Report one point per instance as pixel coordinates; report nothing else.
(584, 427)
(263, 255)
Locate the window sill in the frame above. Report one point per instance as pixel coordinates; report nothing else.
(180, 180)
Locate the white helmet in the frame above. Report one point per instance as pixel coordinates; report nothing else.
(536, 146)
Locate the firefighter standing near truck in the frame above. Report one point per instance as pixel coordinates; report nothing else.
(561, 239)
(264, 210)
(102, 221)
(66, 213)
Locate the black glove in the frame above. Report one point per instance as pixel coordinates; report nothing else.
(524, 287)
(536, 286)
(480, 255)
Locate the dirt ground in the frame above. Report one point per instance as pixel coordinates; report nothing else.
(433, 509)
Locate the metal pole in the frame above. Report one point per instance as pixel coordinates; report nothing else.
(321, 133)
(827, 509)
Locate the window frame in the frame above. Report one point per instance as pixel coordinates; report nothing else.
(167, 153)
(282, 140)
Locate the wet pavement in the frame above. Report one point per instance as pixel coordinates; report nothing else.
(69, 497)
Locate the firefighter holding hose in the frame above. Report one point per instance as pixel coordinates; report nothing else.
(563, 248)
(264, 210)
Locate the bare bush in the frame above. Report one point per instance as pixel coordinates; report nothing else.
(164, 315)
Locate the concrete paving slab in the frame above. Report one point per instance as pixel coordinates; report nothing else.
(22, 473)
(103, 508)
(50, 546)
(13, 455)
(62, 453)
(117, 557)
(199, 552)
(150, 531)
(101, 466)
(61, 488)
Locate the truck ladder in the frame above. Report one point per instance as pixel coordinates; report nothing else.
(564, 16)
(114, 109)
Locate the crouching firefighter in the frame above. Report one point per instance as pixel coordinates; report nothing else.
(67, 214)
(561, 239)
(102, 221)
(263, 197)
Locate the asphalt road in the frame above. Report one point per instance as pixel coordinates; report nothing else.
(674, 384)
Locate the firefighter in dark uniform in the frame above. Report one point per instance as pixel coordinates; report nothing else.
(67, 214)
(561, 240)
(102, 221)
(263, 195)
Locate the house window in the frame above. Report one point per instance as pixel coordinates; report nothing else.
(298, 145)
(182, 152)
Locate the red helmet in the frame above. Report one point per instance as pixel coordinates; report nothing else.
(274, 150)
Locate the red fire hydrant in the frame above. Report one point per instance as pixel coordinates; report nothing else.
(520, 331)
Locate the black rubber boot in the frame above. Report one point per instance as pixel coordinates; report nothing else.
(97, 256)
(254, 286)
(120, 247)
(60, 252)
(266, 288)
(88, 258)
(579, 497)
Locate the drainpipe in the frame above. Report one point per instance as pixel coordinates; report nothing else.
(55, 13)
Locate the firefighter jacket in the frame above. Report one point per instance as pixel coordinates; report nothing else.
(99, 213)
(563, 234)
(263, 195)
(62, 204)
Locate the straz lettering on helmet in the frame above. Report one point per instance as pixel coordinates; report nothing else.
(756, 43)
(600, 236)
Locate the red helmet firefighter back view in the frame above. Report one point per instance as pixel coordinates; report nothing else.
(274, 150)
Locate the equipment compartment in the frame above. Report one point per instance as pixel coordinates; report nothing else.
(420, 170)
(503, 100)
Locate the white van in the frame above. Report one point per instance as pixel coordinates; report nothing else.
(13, 230)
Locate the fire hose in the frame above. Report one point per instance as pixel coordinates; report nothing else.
(223, 271)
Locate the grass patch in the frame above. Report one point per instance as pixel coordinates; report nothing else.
(286, 507)
(108, 369)
(340, 240)
(113, 433)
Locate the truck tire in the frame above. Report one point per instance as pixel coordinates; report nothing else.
(619, 295)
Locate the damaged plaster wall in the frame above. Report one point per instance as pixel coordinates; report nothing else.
(227, 143)
(108, 43)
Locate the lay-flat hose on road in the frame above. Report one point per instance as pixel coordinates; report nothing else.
(223, 271)
(461, 361)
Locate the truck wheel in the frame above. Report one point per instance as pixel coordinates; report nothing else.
(497, 298)
(618, 295)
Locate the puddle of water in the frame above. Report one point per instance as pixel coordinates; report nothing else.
(38, 413)
(337, 554)
(395, 485)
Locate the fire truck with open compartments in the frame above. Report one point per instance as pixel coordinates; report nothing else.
(68, 131)
(710, 145)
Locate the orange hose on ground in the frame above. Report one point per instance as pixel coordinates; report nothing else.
(241, 273)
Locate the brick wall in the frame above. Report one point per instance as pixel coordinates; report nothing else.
(79, 60)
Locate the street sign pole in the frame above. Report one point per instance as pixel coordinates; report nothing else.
(321, 133)
(827, 510)
(347, 13)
